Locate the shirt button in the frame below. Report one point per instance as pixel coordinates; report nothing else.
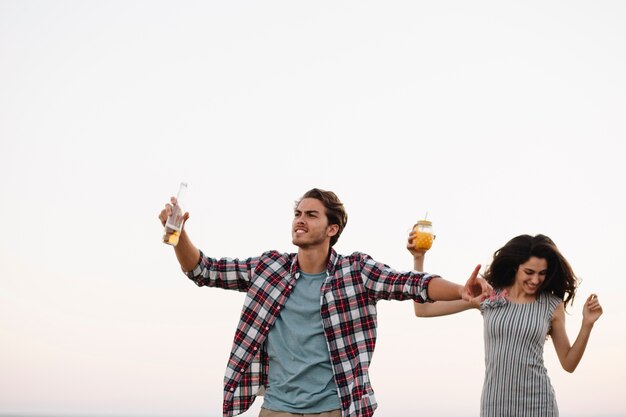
(254, 348)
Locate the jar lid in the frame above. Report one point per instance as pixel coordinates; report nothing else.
(425, 222)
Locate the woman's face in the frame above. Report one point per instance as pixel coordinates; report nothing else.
(531, 274)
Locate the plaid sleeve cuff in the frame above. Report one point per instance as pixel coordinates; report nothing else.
(196, 273)
(423, 288)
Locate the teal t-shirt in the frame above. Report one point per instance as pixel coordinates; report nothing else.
(300, 378)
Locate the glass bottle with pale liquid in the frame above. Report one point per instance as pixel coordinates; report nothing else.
(423, 235)
(174, 224)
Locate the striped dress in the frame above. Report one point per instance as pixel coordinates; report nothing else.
(516, 380)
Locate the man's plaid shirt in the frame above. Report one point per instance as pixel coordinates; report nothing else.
(348, 300)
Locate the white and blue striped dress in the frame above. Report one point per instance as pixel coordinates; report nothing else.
(516, 380)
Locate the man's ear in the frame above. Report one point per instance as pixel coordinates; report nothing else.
(332, 230)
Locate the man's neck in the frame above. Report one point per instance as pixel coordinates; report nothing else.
(313, 260)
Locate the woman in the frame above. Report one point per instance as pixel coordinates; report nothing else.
(533, 283)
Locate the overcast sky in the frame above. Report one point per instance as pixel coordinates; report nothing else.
(496, 118)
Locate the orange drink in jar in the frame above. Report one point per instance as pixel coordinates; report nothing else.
(423, 235)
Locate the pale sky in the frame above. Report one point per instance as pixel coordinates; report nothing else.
(496, 118)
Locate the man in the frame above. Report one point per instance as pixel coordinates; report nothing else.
(308, 326)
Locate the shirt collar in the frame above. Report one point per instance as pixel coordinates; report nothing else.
(330, 266)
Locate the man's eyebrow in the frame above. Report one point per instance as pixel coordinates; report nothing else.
(307, 211)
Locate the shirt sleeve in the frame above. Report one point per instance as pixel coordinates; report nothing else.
(227, 273)
(385, 283)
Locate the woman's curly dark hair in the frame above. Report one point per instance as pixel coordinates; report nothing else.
(560, 279)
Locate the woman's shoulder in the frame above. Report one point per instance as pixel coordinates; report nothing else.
(550, 300)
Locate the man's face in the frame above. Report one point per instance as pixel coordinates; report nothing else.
(310, 225)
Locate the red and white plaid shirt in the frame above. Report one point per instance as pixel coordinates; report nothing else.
(348, 300)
